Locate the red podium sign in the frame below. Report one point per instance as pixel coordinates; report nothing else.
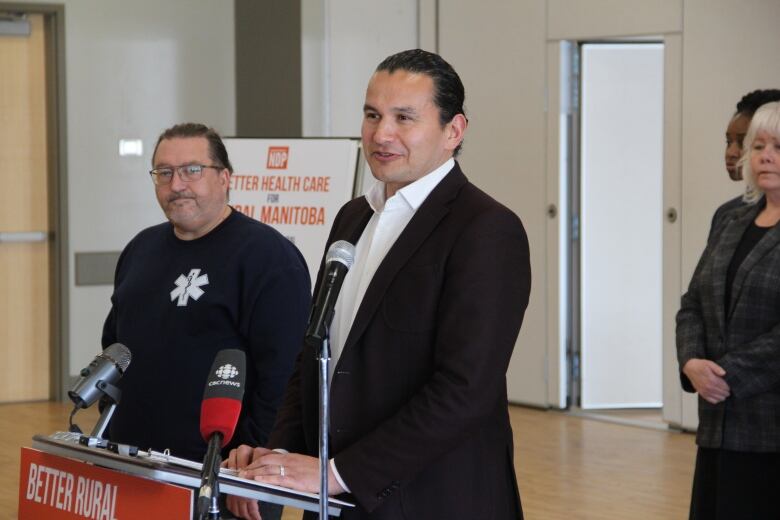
(55, 488)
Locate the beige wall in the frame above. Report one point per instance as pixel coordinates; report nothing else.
(723, 48)
(498, 48)
(590, 19)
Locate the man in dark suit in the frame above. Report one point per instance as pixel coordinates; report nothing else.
(424, 326)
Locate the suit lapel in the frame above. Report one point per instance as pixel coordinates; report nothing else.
(348, 226)
(429, 214)
(354, 223)
(725, 247)
(768, 242)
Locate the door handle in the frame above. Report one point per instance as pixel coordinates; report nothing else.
(23, 236)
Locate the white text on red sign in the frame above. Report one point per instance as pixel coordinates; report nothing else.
(55, 488)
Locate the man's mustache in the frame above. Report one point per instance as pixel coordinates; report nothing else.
(176, 196)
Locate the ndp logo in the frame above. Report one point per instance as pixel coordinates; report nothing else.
(277, 157)
(227, 371)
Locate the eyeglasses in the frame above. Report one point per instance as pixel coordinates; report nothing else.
(187, 173)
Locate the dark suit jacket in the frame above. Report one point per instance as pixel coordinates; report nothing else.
(419, 423)
(724, 208)
(743, 339)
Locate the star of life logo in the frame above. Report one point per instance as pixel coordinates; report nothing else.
(189, 287)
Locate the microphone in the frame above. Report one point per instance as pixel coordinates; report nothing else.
(219, 413)
(338, 260)
(98, 378)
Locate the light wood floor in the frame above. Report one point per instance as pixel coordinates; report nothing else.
(567, 467)
(648, 418)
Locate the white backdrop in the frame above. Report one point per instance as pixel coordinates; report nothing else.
(294, 185)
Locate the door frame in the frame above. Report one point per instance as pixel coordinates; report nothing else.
(560, 227)
(57, 179)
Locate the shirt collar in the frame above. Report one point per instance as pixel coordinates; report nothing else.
(415, 193)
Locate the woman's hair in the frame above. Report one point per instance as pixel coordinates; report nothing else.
(767, 119)
(751, 101)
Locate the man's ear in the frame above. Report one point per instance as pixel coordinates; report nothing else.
(456, 130)
(224, 175)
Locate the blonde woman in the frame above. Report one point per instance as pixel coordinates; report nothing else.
(728, 342)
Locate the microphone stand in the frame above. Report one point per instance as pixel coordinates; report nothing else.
(111, 398)
(339, 259)
(208, 506)
(324, 359)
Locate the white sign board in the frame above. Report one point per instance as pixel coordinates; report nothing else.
(294, 185)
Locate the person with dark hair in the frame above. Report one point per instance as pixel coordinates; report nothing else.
(735, 134)
(423, 330)
(448, 91)
(728, 342)
(208, 279)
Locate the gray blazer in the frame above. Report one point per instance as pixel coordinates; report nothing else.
(743, 339)
(724, 208)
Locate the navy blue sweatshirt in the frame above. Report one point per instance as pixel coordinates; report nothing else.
(176, 303)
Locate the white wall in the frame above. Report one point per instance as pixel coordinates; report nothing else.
(343, 42)
(132, 69)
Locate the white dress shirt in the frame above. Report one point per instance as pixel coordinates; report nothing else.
(385, 226)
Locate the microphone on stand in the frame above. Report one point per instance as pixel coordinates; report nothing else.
(219, 413)
(98, 378)
(338, 260)
(98, 381)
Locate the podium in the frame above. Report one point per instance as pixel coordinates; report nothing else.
(60, 478)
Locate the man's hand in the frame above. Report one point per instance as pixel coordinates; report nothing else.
(239, 459)
(707, 378)
(290, 470)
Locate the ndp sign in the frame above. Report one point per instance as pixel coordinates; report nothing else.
(277, 157)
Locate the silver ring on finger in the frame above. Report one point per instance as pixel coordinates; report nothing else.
(281, 471)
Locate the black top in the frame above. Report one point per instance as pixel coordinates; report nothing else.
(177, 303)
(753, 235)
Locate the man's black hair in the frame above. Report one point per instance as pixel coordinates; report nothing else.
(449, 93)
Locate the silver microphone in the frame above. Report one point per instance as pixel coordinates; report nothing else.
(338, 260)
(100, 375)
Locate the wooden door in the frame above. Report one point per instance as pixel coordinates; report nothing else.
(24, 220)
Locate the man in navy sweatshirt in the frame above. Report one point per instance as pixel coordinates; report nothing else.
(208, 279)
